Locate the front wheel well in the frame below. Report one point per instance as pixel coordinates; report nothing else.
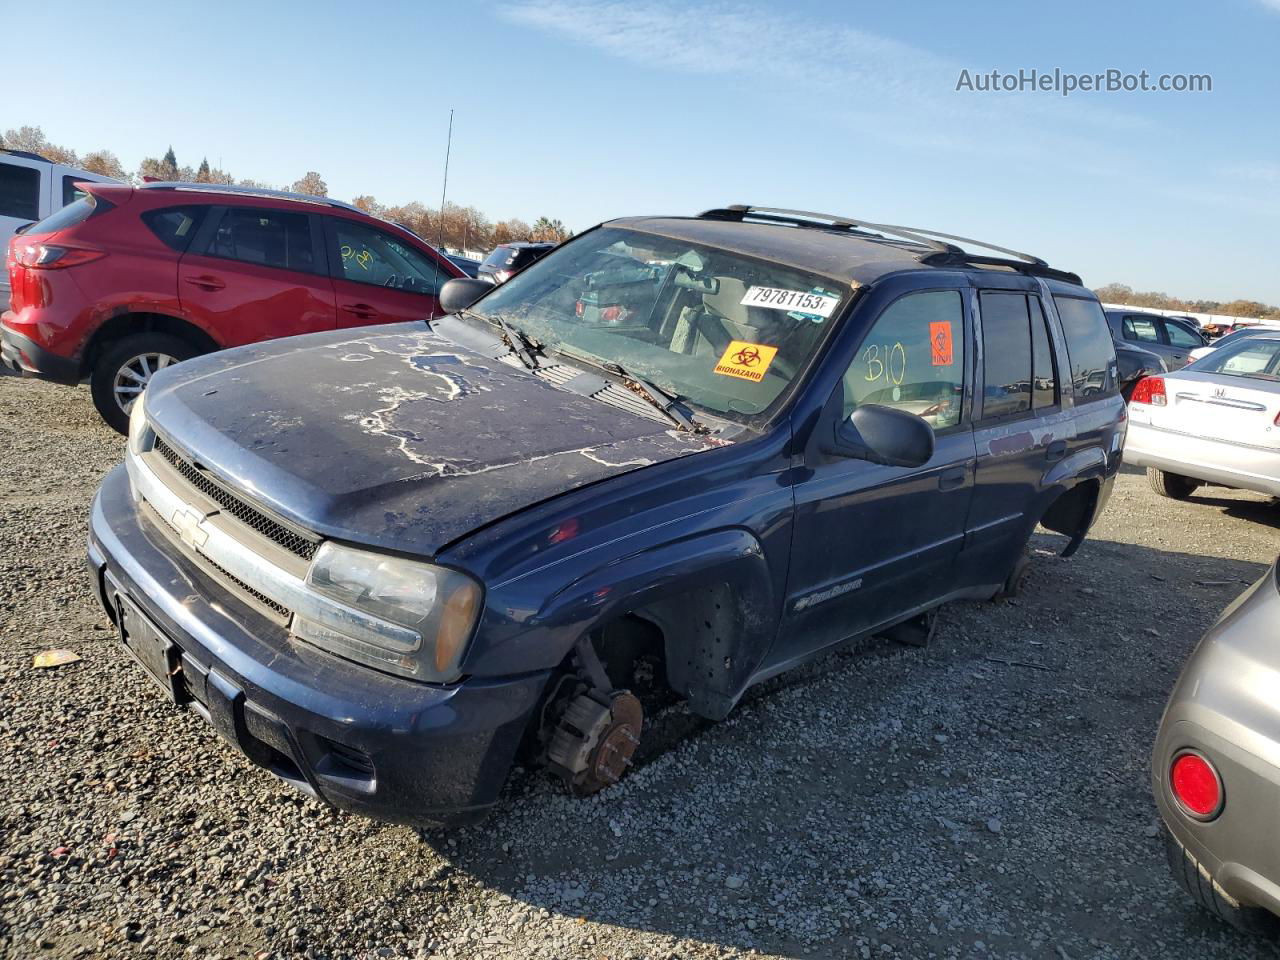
(128, 324)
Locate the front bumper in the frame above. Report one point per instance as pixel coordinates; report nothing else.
(24, 356)
(1234, 465)
(364, 741)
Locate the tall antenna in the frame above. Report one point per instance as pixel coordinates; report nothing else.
(444, 189)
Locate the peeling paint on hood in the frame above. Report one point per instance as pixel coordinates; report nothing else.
(396, 436)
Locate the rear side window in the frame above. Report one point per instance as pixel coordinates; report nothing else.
(1093, 357)
(176, 225)
(1006, 355)
(70, 192)
(71, 215)
(1141, 330)
(1044, 368)
(269, 238)
(19, 192)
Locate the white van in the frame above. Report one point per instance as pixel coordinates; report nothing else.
(31, 188)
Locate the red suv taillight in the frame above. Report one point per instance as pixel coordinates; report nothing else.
(1196, 785)
(54, 256)
(1150, 390)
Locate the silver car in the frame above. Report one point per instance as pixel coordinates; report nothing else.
(1215, 768)
(1215, 421)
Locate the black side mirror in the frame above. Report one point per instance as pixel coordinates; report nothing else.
(883, 435)
(24, 228)
(461, 292)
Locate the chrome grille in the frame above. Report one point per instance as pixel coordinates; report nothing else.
(279, 609)
(251, 517)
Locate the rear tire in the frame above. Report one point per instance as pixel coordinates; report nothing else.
(1205, 891)
(1172, 485)
(122, 370)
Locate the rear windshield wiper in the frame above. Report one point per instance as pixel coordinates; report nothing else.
(668, 403)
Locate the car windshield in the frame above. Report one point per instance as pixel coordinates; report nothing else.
(726, 333)
(1255, 357)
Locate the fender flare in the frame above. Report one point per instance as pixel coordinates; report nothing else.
(712, 596)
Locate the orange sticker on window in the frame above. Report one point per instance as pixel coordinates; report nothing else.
(746, 360)
(940, 343)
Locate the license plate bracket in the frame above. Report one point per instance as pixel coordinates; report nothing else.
(156, 653)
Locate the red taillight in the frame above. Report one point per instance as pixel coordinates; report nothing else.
(578, 307)
(1196, 786)
(50, 256)
(1150, 390)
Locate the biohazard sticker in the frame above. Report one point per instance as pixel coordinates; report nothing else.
(746, 360)
(940, 352)
(774, 298)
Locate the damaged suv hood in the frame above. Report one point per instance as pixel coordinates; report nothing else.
(395, 436)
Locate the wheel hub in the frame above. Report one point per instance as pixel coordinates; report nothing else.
(134, 375)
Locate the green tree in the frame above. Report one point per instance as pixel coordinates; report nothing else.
(202, 172)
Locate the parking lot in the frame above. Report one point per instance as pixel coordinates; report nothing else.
(985, 796)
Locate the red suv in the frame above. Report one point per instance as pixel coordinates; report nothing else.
(131, 279)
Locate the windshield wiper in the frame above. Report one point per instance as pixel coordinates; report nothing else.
(668, 403)
(521, 344)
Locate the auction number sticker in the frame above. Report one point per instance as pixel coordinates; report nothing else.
(746, 360)
(804, 301)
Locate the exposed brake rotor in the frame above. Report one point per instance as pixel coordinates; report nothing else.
(594, 742)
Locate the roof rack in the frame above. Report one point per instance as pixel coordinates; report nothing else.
(229, 188)
(24, 154)
(943, 249)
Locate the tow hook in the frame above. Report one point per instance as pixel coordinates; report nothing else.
(596, 730)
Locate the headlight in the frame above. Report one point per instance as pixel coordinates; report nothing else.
(138, 424)
(409, 617)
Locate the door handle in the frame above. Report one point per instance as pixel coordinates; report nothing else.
(360, 310)
(206, 282)
(1056, 451)
(951, 479)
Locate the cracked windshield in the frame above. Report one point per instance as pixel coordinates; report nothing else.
(725, 333)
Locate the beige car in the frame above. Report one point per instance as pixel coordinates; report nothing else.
(1215, 769)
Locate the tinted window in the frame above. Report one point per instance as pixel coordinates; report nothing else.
(913, 359)
(70, 192)
(1180, 336)
(499, 257)
(19, 192)
(1006, 355)
(75, 213)
(176, 226)
(366, 254)
(1141, 329)
(1093, 358)
(269, 238)
(1044, 368)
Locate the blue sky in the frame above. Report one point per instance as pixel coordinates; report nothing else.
(589, 110)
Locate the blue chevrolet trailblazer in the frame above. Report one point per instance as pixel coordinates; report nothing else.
(671, 459)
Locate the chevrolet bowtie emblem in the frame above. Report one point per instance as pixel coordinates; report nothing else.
(187, 522)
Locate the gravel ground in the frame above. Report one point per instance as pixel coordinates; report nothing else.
(889, 802)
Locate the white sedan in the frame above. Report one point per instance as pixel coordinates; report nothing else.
(1214, 421)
